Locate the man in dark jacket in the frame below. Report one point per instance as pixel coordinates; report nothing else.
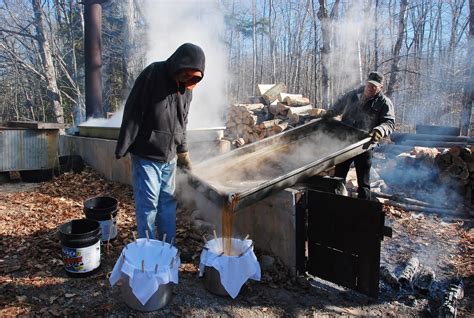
(368, 109)
(153, 130)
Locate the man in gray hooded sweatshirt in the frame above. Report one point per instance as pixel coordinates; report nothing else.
(153, 130)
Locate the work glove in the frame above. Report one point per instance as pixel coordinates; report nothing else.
(328, 114)
(376, 135)
(184, 161)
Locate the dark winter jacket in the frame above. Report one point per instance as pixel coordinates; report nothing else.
(376, 113)
(156, 112)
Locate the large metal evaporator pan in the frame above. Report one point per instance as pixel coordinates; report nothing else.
(248, 174)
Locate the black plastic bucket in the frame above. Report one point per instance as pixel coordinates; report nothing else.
(80, 243)
(104, 210)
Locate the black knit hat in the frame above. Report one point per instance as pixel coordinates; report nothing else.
(375, 78)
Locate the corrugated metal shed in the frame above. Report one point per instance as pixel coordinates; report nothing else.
(28, 149)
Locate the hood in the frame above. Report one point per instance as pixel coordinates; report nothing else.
(188, 56)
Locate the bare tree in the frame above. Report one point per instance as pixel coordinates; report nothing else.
(468, 99)
(325, 18)
(325, 51)
(311, 46)
(398, 45)
(47, 61)
(272, 41)
(254, 45)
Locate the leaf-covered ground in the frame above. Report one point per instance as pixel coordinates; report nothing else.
(33, 280)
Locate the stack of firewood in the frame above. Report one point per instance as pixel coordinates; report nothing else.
(457, 164)
(275, 112)
(449, 172)
(248, 121)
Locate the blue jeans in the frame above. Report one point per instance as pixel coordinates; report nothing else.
(155, 204)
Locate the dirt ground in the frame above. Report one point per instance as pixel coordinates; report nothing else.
(33, 280)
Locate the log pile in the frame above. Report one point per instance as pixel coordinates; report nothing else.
(428, 169)
(456, 165)
(274, 112)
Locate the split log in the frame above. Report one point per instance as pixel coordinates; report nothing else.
(395, 149)
(269, 123)
(282, 108)
(299, 110)
(239, 142)
(406, 277)
(458, 169)
(294, 119)
(316, 112)
(452, 295)
(425, 152)
(263, 88)
(282, 96)
(424, 279)
(278, 128)
(250, 120)
(296, 101)
(389, 278)
(225, 145)
(249, 107)
(272, 94)
(294, 113)
(273, 109)
(444, 160)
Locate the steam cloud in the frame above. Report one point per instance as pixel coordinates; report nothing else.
(170, 23)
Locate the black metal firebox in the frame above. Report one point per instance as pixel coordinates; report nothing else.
(343, 238)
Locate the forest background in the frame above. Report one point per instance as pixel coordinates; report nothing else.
(318, 48)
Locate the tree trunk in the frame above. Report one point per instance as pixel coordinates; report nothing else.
(254, 47)
(272, 43)
(466, 113)
(398, 45)
(376, 37)
(47, 61)
(79, 109)
(325, 50)
(315, 55)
